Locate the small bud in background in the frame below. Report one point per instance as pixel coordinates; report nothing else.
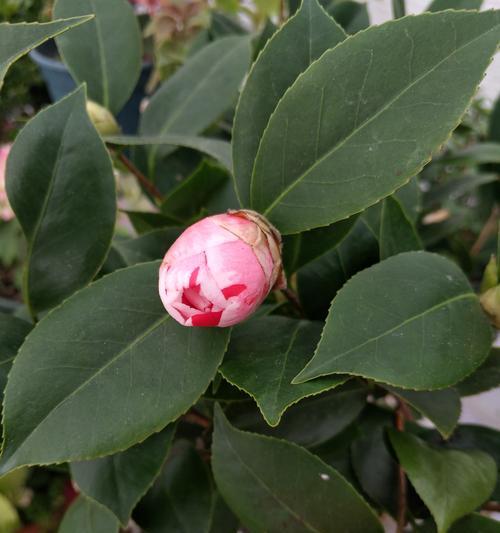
(102, 119)
(490, 300)
(6, 212)
(221, 269)
(9, 519)
(490, 276)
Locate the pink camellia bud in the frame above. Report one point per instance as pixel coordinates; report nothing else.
(221, 269)
(6, 212)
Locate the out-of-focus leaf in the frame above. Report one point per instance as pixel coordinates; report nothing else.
(415, 303)
(278, 479)
(441, 5)
(486, 377)
(87, 516)
(475, 155)
(451, 483)
(109, 362)
(351, 15)
(148, 246)
(64, 198)
(145, 221)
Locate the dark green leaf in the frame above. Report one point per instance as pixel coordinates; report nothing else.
(411, 321)
(110, 363)
(352, 16)
(397, 233)
(298, 250)
(182, 498)
(475, 155)
(119, 481)
(86, 516)
(300, 41)
(441, 407)
(366, 117)
(486, 377)
(198, 93)
(451, 483)
(105, 53)
(319, 281)
(64, 198)
(17, 40)
(275, 347)
(145, 221)
(441, 5)
(216, 148)
(223, 520)
(476, 523)
(409, 198)
(312, 421)
(398, 8)
(148, 246)
(276, 486)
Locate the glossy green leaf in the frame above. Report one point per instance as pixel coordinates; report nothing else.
(485, 378)
(397, 232)
(147, 247)
(275, 347)
(86, 516)
(119, 481)
(352, 16)
(301, 249)
(409, 197)
(299, 42)
(451, 483)
(106, 53)
(110, 363)
(476, 523)
(312, 421)
(441, 5)
(145, 221)
(198, 93)
(223, 520)
(278, 479)
(17, 40)
(64, 198)
(189, 198)
(411, 321)
(366, 117)
(216, 148)
(441, 407)
(319, 281)
(182, 498)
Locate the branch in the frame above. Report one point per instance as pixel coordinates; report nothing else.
(402, 484)
(292, 297)
(150, 187)
(492, 506)
(193, 417)
(488, 229)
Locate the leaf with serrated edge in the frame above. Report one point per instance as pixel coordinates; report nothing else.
(64, 199)
(299, 42)
(119, 481)
(17, 40)
(107, 368)
(451, 483)
(411, 321)
(367, 116)
(275, 347)
(279, 478)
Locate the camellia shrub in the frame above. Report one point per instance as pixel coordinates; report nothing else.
(284, 343)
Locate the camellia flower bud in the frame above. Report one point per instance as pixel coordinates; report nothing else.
(104, 122)
(221, 269)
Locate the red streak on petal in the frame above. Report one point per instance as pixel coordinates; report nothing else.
(194, 299)
(193, 277)
(207, 320)
(233, 290)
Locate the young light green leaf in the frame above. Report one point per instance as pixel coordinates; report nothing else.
(110, 363)
(105, 53)
(119, 481)
(300, 41)
(451, 483)
(485, 378)
(442, 5)
(64, 198)
(278, 478)
(276, 347)
(397, 232)
(301, 249)
(441, 407)
(182, 498)
(368, 115)
(216, 148)
(86, 516)
(17, 40)
(198, 93)
(411, 321)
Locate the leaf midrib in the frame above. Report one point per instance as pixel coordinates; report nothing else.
(80, 387)
(387, 332)
(102, 57)
(361, 126)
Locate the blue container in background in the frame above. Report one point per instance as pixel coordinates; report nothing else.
(60, 82)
